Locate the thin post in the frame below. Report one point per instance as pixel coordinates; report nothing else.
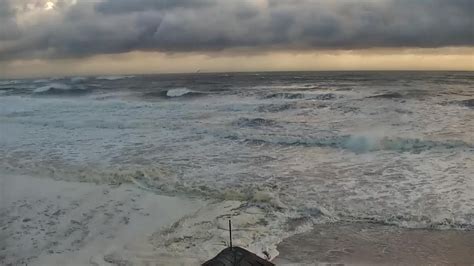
(230, 233)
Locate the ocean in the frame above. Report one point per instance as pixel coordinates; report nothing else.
(277, 152)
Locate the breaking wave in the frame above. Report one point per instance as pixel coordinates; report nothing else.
(357, 144)
(112, 78)
(166, 180)
(159, 178)
(182, 92)
(9, 82)
(409, 94)
(60, 89)
(177, 92)
(78, 79)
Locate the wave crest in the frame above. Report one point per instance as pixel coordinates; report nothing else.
(178, 92)
(354, 143)
(112, 78)
(59, 88)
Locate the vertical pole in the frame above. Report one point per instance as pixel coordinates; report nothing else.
(230, 233)
(230, 242)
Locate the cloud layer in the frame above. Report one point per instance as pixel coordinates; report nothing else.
(79, 28)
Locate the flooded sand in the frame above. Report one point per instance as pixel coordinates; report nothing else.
(49, 222)
(366, 243)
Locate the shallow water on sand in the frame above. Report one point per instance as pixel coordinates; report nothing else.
(376, 244)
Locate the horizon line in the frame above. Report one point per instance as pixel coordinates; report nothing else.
(230, 72)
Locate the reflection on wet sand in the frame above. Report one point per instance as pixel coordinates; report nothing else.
(366, 243)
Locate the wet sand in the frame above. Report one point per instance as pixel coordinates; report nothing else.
(375, 244)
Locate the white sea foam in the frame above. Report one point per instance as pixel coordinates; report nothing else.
(111, 78)
(41, 80)
(81, 223)
(9, 82)
(178, 92)
(52, 86)
(78, 79)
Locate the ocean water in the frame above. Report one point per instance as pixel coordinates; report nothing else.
(292, 149)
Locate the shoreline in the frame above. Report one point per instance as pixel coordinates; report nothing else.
(50, 222)
(376, 244)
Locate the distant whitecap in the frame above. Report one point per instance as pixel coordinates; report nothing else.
(178, 92)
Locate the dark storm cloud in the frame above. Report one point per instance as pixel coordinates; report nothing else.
(116, 26)
(8, 27)
(125, 6)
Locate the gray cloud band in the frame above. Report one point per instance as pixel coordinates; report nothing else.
(115, 26)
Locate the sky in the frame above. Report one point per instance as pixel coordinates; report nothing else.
(88, 37)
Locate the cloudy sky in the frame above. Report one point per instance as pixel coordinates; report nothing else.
(78, 37)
